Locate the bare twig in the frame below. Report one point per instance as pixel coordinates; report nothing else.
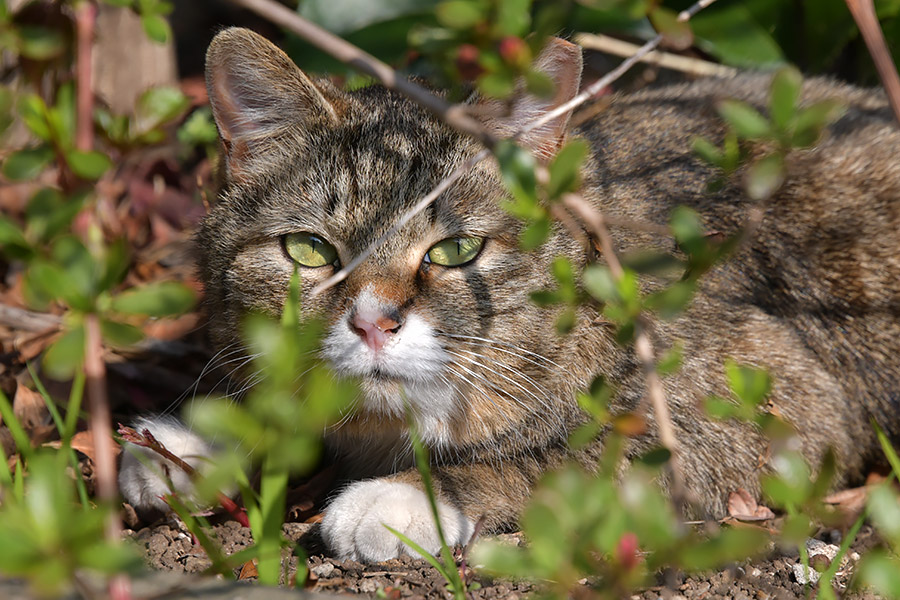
(643, 347)
(667, 60)
(863, 12)
(146, 439)
(27, 320)
(85, 19)
(452, 114)
(100, 425)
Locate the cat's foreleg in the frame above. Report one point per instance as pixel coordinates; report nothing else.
(354, 523)
(145, 476)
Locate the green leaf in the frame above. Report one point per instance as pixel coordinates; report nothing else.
(670, 362)
(33, 111)
(707, 151)
(746, 120)
(158, 106)
(600, 283)
(672, 301)
(749, 384)
(539, 83)
(813, 119)
(565, 170)
(88, 164)
(566, 320)
(885, 512)
(688, 230)
(720, 408)
(783, 96)
(199, 129)
(517, 169)
(881, 571)
(460, 14)
(888, 450)
(730, 33)
(161, 299)
(120, 334)
(499, 84)
(11, 235)
(765, 176)
(513, 17)
(156, 27)
(65, 355)
(27, 164)
(48, 213)
(347, 16)
(676, 34)
(535, 234)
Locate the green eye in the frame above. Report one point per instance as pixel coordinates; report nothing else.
(310, 250)
(454, 252)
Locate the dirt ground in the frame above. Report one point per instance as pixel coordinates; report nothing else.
(170, 548)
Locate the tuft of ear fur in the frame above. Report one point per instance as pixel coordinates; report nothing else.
(256, 92)
(562, 62)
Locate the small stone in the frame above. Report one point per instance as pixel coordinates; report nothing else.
(368, 586)
(323, 570)
(755, 572)
(804, 575)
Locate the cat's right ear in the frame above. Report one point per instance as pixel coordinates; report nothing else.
(256, 93)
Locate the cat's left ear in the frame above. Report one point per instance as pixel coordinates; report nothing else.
(561, 61)
(257, 94)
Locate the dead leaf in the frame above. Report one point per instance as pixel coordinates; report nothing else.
(743, 506)
(29, 408)
(849, 502)
(83, 442)
(248, 570)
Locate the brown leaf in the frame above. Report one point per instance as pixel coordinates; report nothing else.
(743, 506)
(249, 570)
(849, 502)
(29, 408)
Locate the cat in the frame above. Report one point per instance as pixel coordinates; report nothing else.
(440, 317)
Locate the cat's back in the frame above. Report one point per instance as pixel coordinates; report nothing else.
(824, 260)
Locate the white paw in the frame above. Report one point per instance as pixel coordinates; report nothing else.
(145, 476)
(354, 522)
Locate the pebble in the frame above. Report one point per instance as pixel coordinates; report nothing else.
(323, 570)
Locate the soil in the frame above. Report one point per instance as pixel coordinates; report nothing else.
(171, 548)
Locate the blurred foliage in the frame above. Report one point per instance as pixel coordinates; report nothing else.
(483, 39)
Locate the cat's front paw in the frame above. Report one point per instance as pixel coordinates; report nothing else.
(145, 476)
(354, 524)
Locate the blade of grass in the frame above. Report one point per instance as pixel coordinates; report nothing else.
(432, 560)
(23, 443)
(66, 433)
(198, 528)
(422, 464)
(889, 451)
(826, 592)
(266, 527)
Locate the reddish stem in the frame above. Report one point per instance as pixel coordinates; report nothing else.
(85, 19)
(100, 424)
(863, 12)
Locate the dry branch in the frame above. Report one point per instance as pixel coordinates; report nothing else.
(863, 12)
(666, 60)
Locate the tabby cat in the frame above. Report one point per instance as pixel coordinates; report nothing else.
(440, 315)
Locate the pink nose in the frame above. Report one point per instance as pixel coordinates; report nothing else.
(374, 329)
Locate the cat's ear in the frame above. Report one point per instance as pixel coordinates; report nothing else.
(561, 61)
(257, 92)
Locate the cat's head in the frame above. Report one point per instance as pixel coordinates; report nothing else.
(439, 316)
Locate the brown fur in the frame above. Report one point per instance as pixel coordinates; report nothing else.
(814, 297)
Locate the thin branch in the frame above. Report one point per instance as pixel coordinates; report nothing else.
(666, 60)
(85, 19)
(452, 114)
(100, 425)
(146, 439)
(863, 12)
(27, 320)
(643, 347)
